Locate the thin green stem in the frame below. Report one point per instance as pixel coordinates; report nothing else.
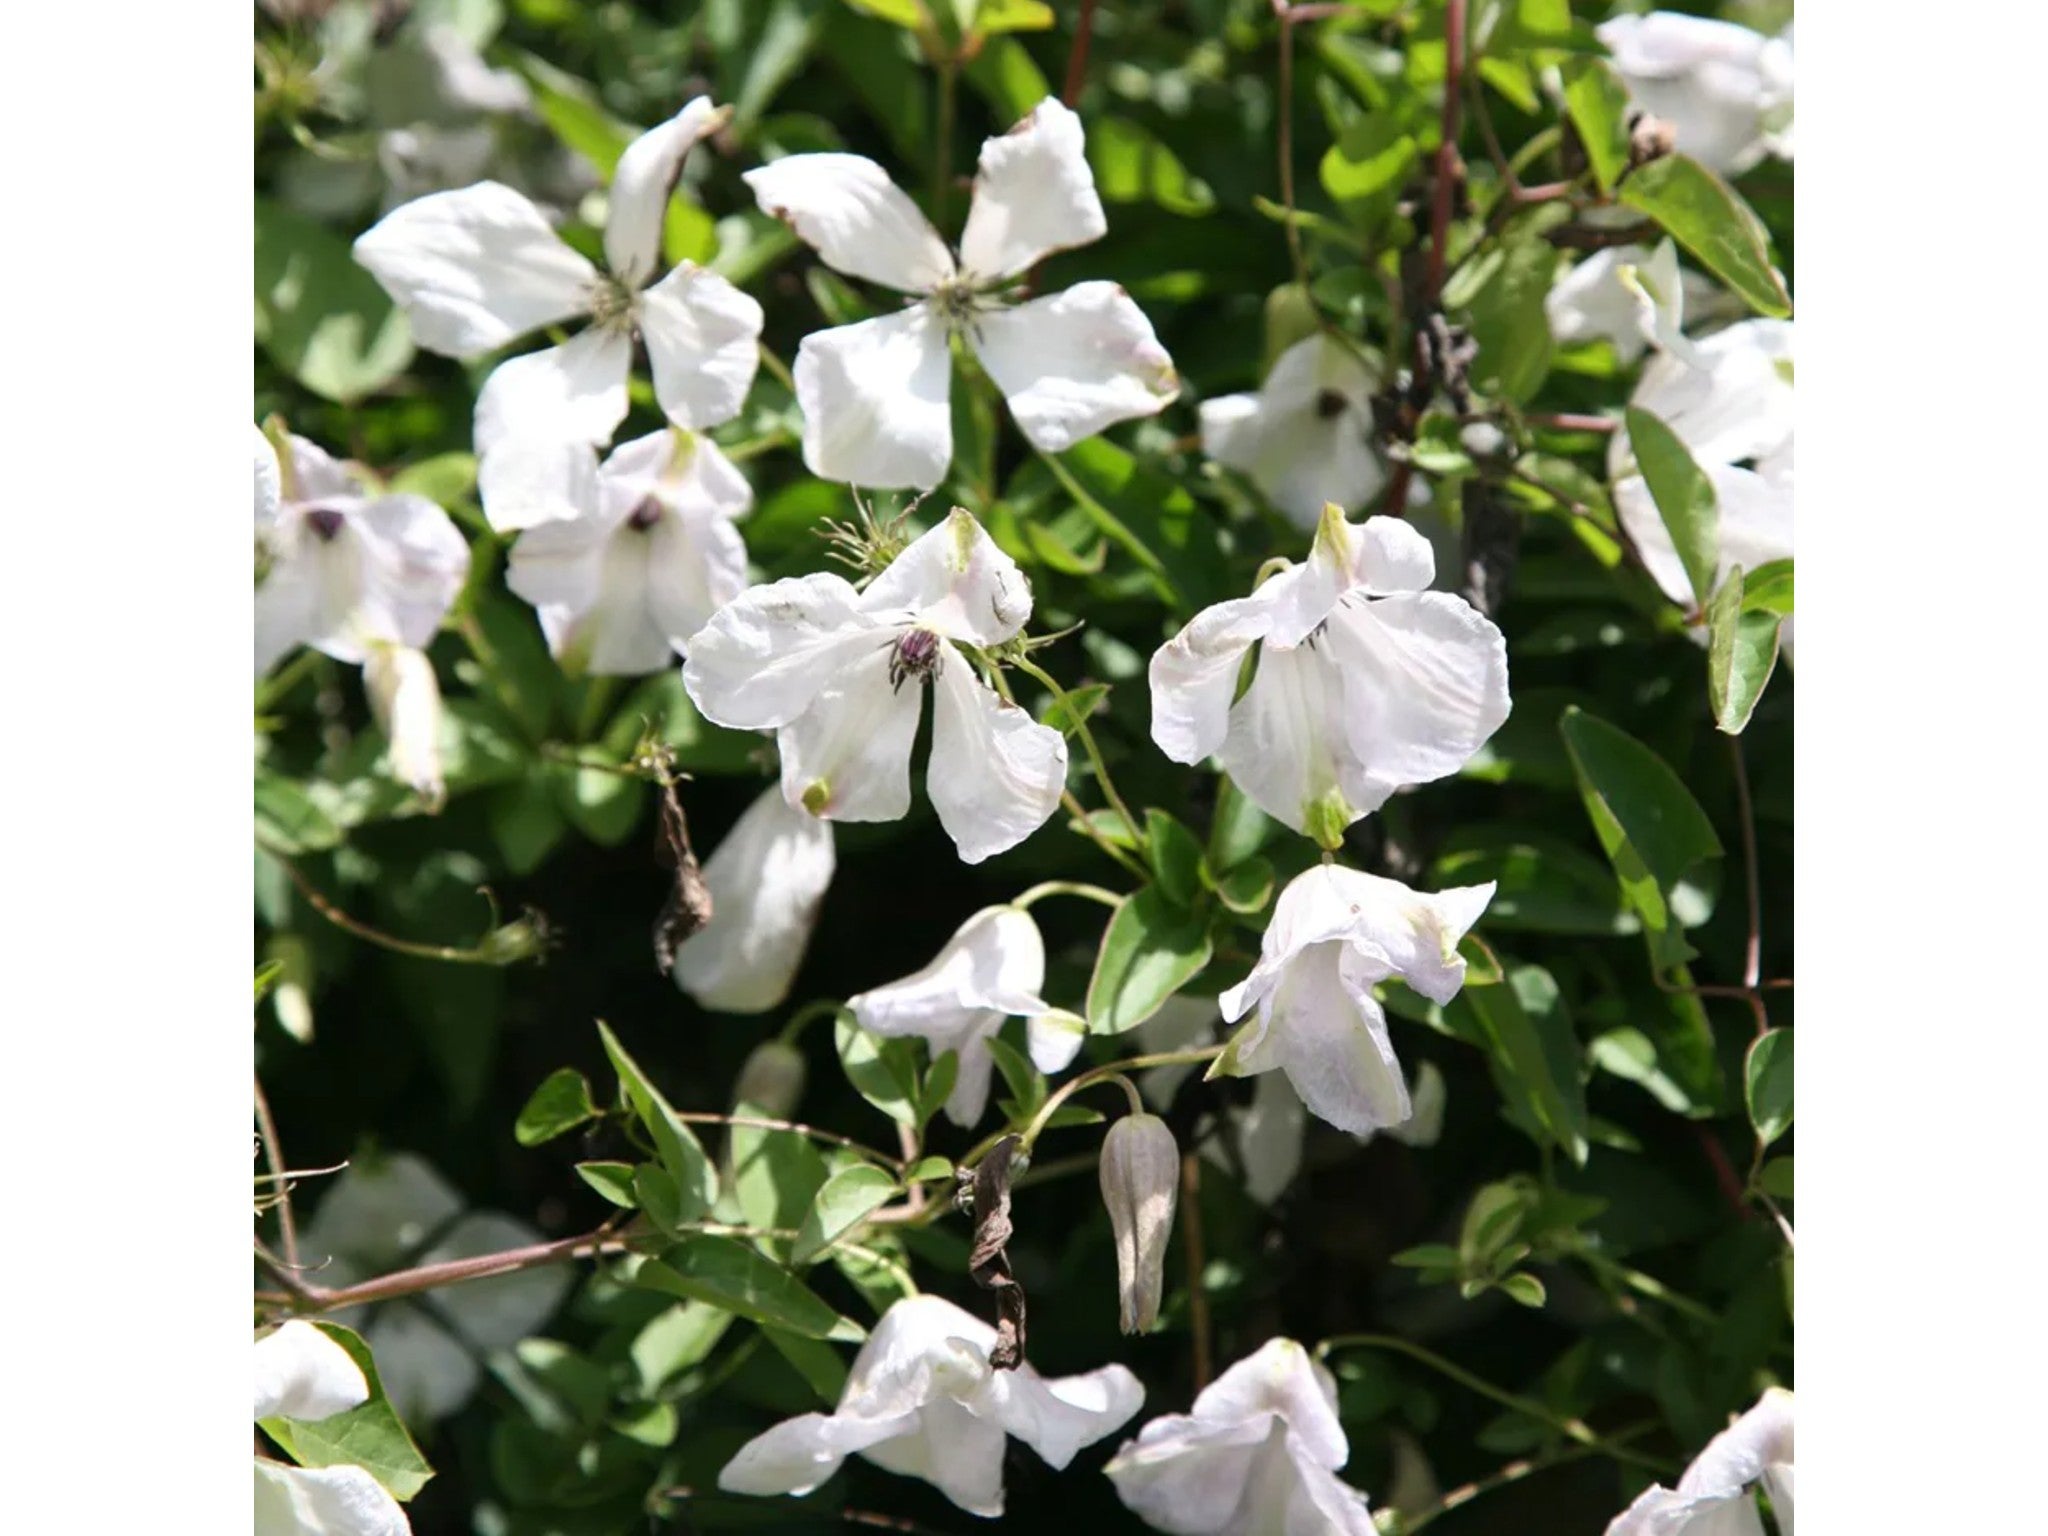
(1113, 526)
(779, 369)
(1082, 821)
(486, 953)
(1089, 1079)
(1066, 888)
(1567, 1425)
(802, 1019)
(1031, 668)
(286, 678)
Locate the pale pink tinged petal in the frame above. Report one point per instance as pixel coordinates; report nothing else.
(641, 183)
(1074, 363)
(1190, 1478)
(1321, 1503)
(1280, 1377)
(766, 654)
(574, 393)
(954, 580)
(290, 605)
(269, 493)
(996, 774)
(1418, 933)
(1057, 1418)
(301, 1373)
(324, 1501)
(875, 399)
(1033, 195)
(427, 1371)
(475, 268)
(847, 757)
(703, 345)
(847, 209)
(799, 1454)
(1194, 676)
(1286, 747)
(1331, 1040)
(1424, 682)
(414, 562)
(767, 879)
(523, 483)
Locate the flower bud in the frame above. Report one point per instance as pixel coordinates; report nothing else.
(771, 1079)
(406, 699)
(1140, 1178)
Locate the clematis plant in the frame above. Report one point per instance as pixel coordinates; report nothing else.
(1626, 296)
(1366, 682)
(1337, 933)
(341, 567)
(646, 554)
(922, 1401)
(989, 971)
(1716, 1495)
(875, 395)
(839, 675)
(1306, 437)
(1725, 90)
(479, 267)
(1257, 1455)
(303, 1374)
(766, 878)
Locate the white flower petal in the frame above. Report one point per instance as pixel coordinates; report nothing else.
(996, 774)
(1590, 302)
(993, 963)
(875, 399)
(1660, 1512)
(847, 209)
(1389, 555)
(1424, 680)
(1755, 525)
(1709, 79)
(1424, 1127)
(405, 697)
(1033, 195)
(921, 1347)
(1322, 1504)
(523, 483)
(1737, 1456)
(301, 1373)
(317, 475)
(767, 879)
(969, 1095)
(799, 1454)
(1194, 675)
(1191, 1478)
(1054, 1040)
(1268, 1133)
(1287, 748)
(1280, 1377)
(574, 393)
(954, 580)
(957, 1453)
(591, 584)
(847, 757)
(1332, 1038)
(475, 268)
(1306, 437)
(1057, 1418)
(1417, 932)
(641, 183)
(413, 564)
(1075, 363)
(324, 1501)
(703, 345)
(765, 655)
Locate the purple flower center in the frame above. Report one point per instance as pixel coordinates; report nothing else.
(645, 515)
(1329, 403)
(917, 656)
(326, 522)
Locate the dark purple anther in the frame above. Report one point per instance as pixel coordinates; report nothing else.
(644, 516)
(326, 522)
(917, 656)
(1329, 403)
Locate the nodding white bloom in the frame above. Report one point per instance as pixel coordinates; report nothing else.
(342, 568)
(395, 1212)
(647, 553)
(479, 267)
(989, 971)
(922, 1401)
(303, 1374)
(1725, 90)
(1336, 933)
(1306, 437)
(405, 696)
(1257, 1456)
(1730, 403)
(875, 394)
(1366, 682)
(1266, 1135)
(1715, 1497)
(1627, 296)
(767, 879)
(826, 667)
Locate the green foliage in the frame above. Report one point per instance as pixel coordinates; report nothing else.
(368, 1435)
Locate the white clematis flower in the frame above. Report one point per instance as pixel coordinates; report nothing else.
(303, 1374)
(1336, 933)
(767, 879)
(479, 267)
(646, 554)
(989, 971)
(341, 568)
(922, 1401)
(397, 1212)
(1725, 90)
(1366, 682)
(1257, 1456)
(405, 696)
(1624, 295)
(1715, 1497)
(838, 675)
(875, 394)
(1306, 437)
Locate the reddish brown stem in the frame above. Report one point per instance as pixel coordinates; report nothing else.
(1077, 56)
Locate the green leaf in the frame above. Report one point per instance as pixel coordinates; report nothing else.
(614, 1181)
(1631, 1055)
(937, 1086)
(675, 1339)
(1134, 165)
(1684, 496)
(1597, 100)
(1149, 515)
(1008, 78)
(1706, 216)
(731, 1275)
(1364, 170)
(902, 13)
(287, 820)
(775, 1175)
(1768, 589)
(1742, 651)
(1535, 1054)
(1025, 1082)
(268, 974)
(1247, 888)
(1239, 828)
(817, 1362)
(884, 1072)
(928, 1169)
(1542, 884)
(369, 1435)
(1776, 1178)
(842, 1204)
(1428, 1256)
(1525, 1288)
(993, 16)
(1767, 1085)
(570, 107)
(1509, 322)
(322, 318)
(1149, 952)
(682, 1158)
(559, 1104)
(1176, 858)
(1067, 715)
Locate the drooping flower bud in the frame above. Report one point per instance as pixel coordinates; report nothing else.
(1140, 1169)
(771, 1079)
(406, 699)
